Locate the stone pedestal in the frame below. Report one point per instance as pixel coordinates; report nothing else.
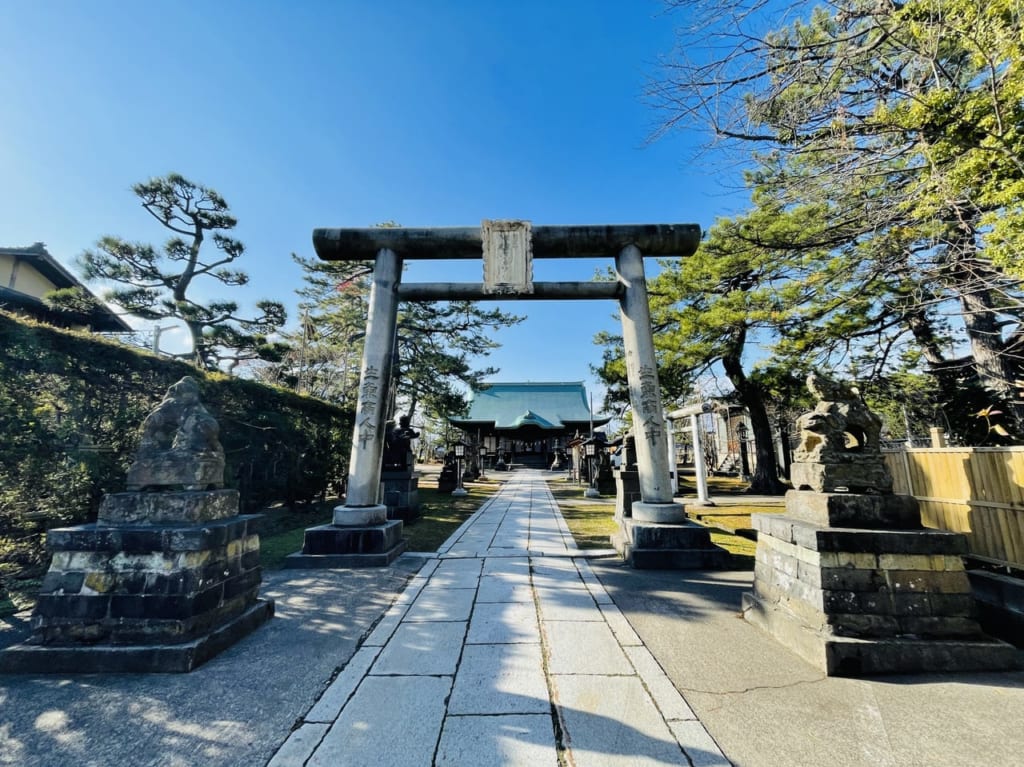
(361, 536)
(657, 536)
(653, 546)
(401, 494)
(854, 584)
(627, 492)
(169, 575)
(605, 480)
(448, 479)
(143, 597)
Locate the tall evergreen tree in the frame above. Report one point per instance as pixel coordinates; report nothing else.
(904, 122)
(158, 283)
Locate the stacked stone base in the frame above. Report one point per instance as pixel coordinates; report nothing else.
(400, 493)
(143, 597)
(334, 546)
(856, 601)
(654, 546)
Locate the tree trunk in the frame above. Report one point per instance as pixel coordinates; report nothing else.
(995, 368)
(765, 479)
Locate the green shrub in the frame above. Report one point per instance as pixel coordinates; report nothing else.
(71, 404)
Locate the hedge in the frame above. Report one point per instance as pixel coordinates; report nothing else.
(71, 404)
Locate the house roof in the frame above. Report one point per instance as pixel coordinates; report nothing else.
(36, 255)
(544, 406)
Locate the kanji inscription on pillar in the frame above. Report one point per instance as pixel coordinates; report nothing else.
(508, 256)
(366, 423)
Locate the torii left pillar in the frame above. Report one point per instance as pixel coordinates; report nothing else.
(656, 534)
(361, 534)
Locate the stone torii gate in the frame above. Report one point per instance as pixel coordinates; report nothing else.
(361, 534)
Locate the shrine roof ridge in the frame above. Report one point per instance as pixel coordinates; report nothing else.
(581, 241)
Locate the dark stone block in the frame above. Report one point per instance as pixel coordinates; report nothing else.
(207, 600)
(64, 583)
(939, 626)
(196, 538)
(331, 539)
(82, 608)
(83, 538)
(652, 546)
(856, 510)
(892, 541)
(822, 539)
(146, 538)
(51, 582)
(72, 582)
(952, 605)
(150, 658)
(651, 535)
(860, 625)
(850, 579)
(187, 507)
(241, 583)
(914, 605)
(677, 559)
(139, 631)
(844, 602)
(181, 582)
(152, 606)
(250, 560)
(331, 561)
(853, 657)
(138, 541)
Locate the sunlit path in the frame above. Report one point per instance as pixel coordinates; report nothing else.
(504, 650)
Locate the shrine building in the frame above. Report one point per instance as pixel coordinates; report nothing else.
(528, 423)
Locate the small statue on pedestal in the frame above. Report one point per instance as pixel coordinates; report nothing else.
(397, 446)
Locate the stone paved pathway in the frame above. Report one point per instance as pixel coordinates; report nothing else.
(504, 650)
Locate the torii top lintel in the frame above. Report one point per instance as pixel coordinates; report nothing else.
(664, 240)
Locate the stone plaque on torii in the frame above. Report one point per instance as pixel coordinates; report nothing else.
(361, 534)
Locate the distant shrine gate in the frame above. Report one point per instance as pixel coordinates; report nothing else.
(508, 249)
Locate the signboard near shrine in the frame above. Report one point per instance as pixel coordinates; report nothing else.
(508, 257)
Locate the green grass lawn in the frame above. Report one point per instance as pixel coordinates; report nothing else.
(441, 514)
(591, 521)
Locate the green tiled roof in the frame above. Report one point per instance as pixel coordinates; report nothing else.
(540, 405)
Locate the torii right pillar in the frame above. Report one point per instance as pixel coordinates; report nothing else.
(654, 533)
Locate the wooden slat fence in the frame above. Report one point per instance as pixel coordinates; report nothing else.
(974, 490)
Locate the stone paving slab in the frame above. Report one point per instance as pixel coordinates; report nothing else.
(363, 735)
(515, 740)
(502, 566)
(336, 696)
(499, 590)
(620, 626)
(503, 623)
(699, 746)
(610, 721)
(300, 744)
(500, 679)
(450, 575)
(661, 689)
(422, 649)
(583, 647)
(444, 604)
(567, 605)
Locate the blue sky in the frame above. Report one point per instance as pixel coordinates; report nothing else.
(345, 114)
